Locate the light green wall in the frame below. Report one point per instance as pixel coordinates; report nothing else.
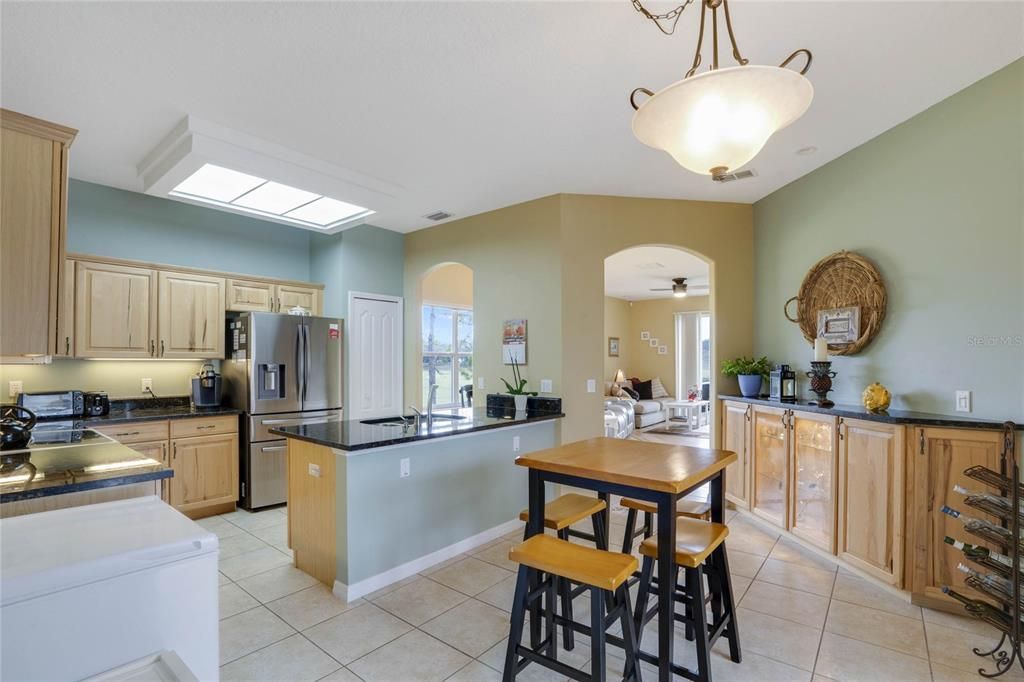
(119, 378)
(936, 204)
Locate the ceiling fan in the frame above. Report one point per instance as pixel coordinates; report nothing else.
(679, 288)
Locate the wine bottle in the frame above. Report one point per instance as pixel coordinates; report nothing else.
(974, 525)
(995, 582)
(983, 610)
(983, 499)
(975, 552)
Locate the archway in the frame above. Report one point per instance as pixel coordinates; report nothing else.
(659, 333)
(446, 335)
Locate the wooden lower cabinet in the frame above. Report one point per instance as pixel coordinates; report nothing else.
(205, 471)
(870, 498)
(769, 455)
(936, 459)
(736, 437)
(202, 451)
(812, 507)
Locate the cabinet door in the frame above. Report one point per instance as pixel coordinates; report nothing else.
(736, 437)
(157, 450)
(66, 317)
(939, 459)
(205, 471)
(870, 487)
(244, 295)
(30, 242)
(115, 311)
(191, 316)
(769, 493)
(289, 296)
(813, 499)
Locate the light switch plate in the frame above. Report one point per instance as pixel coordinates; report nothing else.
(591, 386)
(545, 386)
(403, 468)
(515, 443)
(14, 388)
(963, 401)
(314, 470)
(481, 383)
(147, 385)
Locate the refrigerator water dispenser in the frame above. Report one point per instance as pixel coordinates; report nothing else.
(270, 381)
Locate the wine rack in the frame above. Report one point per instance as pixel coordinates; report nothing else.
(1003, 586)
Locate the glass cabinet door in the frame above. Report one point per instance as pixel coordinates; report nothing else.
(814, 461)
(771, 459)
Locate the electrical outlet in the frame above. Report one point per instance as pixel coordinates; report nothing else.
(963, 401)
(403, 468)
(591, 386)
(481, 383)
(515, 443)
(314, 470)
(14, 388)
(545, 386)
(147, 385)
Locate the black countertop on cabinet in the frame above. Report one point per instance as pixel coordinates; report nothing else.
(357, 435)
(887, 417)
(155, 409)
(55, 469)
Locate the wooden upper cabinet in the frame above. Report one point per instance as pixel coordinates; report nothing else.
(812, 505)
(115, 311)
(736, 437)
(290, 296)
(250, 295)
(870, 490)
(33, 206)
(191, 316)
(938, 458)
(66, 316)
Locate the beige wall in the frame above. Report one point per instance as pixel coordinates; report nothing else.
(617, 323)
(512, 253)
(595, 227)
(658, 317)
(450, 284)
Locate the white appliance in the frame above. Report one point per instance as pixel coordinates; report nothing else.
(87, 589)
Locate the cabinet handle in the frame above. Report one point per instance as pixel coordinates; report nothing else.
(152, 347)
(67, 345)
(128, 433)
(174, 454)
(208, 426)
(161, 347)
(920, 441)
(839, 428)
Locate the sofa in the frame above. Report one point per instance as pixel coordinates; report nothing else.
(645, 412)
(619, 418)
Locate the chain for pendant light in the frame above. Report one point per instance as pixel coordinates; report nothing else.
(672, 16)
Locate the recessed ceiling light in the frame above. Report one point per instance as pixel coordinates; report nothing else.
(273, 197)
(806, 151)
(218, 184)
(237, 191)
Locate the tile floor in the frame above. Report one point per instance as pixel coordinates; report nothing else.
(800, 618)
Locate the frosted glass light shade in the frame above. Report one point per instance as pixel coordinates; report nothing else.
(722, 118)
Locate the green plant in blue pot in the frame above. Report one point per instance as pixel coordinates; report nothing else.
(749, 372)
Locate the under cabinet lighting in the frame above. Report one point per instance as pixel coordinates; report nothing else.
(251, 194)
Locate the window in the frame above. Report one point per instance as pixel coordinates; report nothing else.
(705, 348)
(447, 352)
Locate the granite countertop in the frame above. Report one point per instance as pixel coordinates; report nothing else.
(56, 469)
(887, 417)
(154, 409)
(356, 435)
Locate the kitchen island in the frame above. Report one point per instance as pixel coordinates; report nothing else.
(374, 501)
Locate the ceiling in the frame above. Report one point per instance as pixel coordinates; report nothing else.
(467, 107)
(631, 274)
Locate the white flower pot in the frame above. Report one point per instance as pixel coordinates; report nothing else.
(520, 402)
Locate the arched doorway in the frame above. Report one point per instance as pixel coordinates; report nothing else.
(446, 335)
(659, 334)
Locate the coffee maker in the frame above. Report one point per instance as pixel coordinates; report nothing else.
(206, 387)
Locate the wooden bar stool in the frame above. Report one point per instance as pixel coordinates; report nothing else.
(688, 508)
(604, 573)
(559, 515)
(700, 551)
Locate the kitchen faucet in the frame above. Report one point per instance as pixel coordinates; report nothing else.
(430, 408)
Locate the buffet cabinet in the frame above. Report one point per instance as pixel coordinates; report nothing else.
(868, 492)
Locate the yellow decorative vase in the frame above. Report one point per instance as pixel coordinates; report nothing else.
(876, 398)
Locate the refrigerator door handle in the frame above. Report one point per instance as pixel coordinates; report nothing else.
(300, 363)
(306, 354)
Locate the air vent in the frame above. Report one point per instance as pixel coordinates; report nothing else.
(438, 215)
(739, 175)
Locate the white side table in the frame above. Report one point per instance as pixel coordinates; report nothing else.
(691, 409)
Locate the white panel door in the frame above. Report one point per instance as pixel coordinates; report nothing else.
(375, 356)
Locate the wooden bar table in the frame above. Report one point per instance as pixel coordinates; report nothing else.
(655, 472)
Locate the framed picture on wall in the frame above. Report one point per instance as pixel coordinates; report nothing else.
(613, 346)
(645, 336)
(654, 343)
(513, 342)
(839, 326)
(662, 350)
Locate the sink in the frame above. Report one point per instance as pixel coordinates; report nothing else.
(397, 421)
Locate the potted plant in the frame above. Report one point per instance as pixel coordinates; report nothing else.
(517, 389)
(749, 372)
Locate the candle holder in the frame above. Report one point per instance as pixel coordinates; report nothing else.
(821, 382)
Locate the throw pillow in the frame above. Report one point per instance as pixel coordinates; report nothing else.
(644, 389)
(626, 391)
(657, 389)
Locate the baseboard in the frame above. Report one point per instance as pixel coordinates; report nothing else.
(373, 583)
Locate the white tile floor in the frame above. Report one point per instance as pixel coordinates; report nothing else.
(800, 618)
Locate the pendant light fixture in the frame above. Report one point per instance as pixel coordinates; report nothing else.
(714, 122)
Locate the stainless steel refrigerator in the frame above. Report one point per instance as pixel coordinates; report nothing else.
(280, 370)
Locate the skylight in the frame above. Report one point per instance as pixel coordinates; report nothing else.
(242, 192)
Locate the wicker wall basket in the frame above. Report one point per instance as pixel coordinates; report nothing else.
(840, 280)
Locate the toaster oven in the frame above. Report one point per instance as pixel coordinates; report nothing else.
(54, 404)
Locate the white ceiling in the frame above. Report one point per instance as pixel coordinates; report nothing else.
(468, 107)
(631, 274)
